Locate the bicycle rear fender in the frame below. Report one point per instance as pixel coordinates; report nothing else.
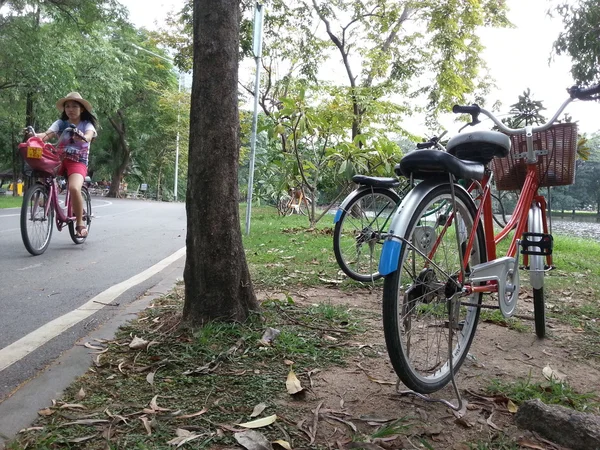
(360, 189)
(390, 254)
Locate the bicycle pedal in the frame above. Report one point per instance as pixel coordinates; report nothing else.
(544, 242)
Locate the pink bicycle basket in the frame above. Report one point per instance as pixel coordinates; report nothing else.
(40, 156)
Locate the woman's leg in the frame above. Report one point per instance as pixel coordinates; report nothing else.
(75, 183)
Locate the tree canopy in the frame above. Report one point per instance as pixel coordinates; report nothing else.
(580, 39)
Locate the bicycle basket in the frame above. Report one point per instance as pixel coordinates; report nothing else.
(556, 168)
(40, 156)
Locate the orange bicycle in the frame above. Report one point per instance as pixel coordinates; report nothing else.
(438, 266)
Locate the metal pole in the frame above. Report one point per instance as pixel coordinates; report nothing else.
(177, 139)
(257, 48)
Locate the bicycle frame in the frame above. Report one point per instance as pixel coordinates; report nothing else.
(64, 215)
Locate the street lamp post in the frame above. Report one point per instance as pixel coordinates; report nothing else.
(179, 87)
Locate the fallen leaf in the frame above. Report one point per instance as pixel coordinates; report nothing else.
(183, 436)
(253, 440)
(492, 424)
(150, 378)
(529, 444)
(269, 336)
(463, 422)
(511, 407)
(147, 425)
(293, 383)
(553, 375)
(85, 422)
(72, 406)
(258, 409)
(375, 380)
(284, 444)
(25, 430)
(189, 416)
(81, 439)
(120, 367)
(80, 395)
(258, 423)
(93, 347)
(46, 412)
(138, 343)
(155, 406)
(287, 362)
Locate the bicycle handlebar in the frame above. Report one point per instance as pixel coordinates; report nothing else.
(575, 93)
(580, 93)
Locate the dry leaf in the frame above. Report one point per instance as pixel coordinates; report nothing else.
(25, 430)
(529, 444)
(154, 406)
(258, 423)
(138, 343)
(85, 422)
(287, 362)
(258, 409)
(553, 375)
(150, 378)
(492, 424)
(183, 436)
(72, 406)
(93, 347)
(46, 412)
(189, 416)
(120, 367)
(82, 439)
(147, 425)
(253, 440)
(283, 444)
(511, 407)
(80, 395)
(374, 380)
(293, 383)
(269, 336)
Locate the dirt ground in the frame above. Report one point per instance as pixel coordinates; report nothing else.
(363, 395)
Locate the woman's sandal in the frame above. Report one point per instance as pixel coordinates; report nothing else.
(81, 231)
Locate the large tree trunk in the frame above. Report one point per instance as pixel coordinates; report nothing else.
(217, 281)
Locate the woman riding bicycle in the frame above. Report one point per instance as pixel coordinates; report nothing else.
(77, 118)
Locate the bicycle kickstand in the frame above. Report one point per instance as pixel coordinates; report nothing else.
(452, 322)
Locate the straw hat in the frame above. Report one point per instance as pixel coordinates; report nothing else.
(75, 96)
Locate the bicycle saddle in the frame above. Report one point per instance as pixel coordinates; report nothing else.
(479, 146)
(423, 164)
(376, 181)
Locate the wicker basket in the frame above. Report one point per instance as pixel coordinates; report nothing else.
(557, 168)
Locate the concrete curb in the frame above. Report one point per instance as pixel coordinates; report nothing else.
(20, 409)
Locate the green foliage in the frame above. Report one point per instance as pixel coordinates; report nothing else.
(525, 112)
(579, 39)
(88, 46)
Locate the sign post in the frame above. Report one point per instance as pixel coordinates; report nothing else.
(257, 50)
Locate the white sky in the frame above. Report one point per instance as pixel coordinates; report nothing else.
(517, 59)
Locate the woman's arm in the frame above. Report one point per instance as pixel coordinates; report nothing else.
(48, 134)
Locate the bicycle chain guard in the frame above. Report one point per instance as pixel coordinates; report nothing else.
(505, 272)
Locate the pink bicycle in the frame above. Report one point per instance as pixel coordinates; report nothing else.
(41, 206)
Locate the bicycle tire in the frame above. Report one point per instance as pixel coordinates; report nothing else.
(536, 275)
(36, 226)
(87, 218)
(502, 223)
(415, 310)
(355, 230)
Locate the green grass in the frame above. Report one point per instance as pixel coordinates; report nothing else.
(221, 366)
(285, 251)
(550, 392)
(8, 201)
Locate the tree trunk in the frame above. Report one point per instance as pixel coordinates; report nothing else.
(217, 280)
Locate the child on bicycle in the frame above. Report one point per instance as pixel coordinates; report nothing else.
(75, 113)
